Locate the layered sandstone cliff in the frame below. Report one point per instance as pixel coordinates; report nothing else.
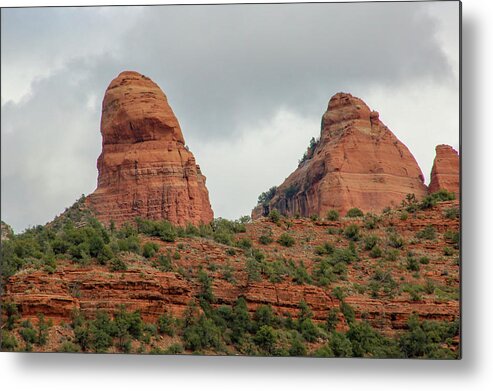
(149, 290)
(145, 168)
(445, 170)
(358, 162)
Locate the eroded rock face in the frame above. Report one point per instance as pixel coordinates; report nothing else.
(445, 170)
(152, 292)
(145, 169)
(358, 162)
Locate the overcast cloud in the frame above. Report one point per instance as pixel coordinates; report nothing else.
(248, 83)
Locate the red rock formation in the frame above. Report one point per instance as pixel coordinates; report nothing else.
(145, 169)
(358, 162)
(153, 293)
(445, 170)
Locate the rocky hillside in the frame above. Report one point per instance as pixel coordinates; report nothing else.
(145, 168)
(356, 162)
(275, 286)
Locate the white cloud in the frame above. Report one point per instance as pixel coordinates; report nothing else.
(248, 84)
(239, 170)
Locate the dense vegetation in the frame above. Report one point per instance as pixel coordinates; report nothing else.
(227, 329)
(210, 327)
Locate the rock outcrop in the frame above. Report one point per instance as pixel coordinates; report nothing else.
(145, 288)
(6, 231)
(358, 162)
(145, 168)
(445, 170)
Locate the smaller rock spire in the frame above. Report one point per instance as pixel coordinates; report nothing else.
(445, 170)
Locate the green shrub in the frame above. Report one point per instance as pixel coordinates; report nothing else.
(324, 351)
(452, 213)
(164, 263)
(370, 221)
(429, 287)
(266, 239)
(366, 342)
(404, 216)
(452, 237)
(244, 243)
(105, 255)
(97, 335)
(428, 233)
(338, 293)
(253, 269)
(228, 273)
(370, 242)
(150, 249)
(391, 254)
(274, 216)
(161, 229)
(347, 311)
(11, 311)
(205, 287)
(332, 319)
(410, 203)
(325, 249)
(8, 342)
(130, 243)
(264, 316)
(43, 327)
(395, 241)
(332, 215)
(376, 252)
(69, 347)
(343, 255)
(297, 347)
(265, 197)
(354, 212)
(223, 236)
(117, 264)
(175, 348)
(266, 338)
(301, 275)
(240, 321)
(414, 294)
(431, 200)
(28, 334)
(412, 264)
(427, 339)
(340, 345)
(448, 251)
(351, 232)
(166, 324)
(230, 251)
(202, 334)
(286, 240)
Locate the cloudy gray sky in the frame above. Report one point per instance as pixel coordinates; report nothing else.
(248, 83)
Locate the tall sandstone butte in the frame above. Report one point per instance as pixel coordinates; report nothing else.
(145, 169)
(358, 162)
(445, 170)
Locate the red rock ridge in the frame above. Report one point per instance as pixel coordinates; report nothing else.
(145, 169)
(358, 162)
(445, 170)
